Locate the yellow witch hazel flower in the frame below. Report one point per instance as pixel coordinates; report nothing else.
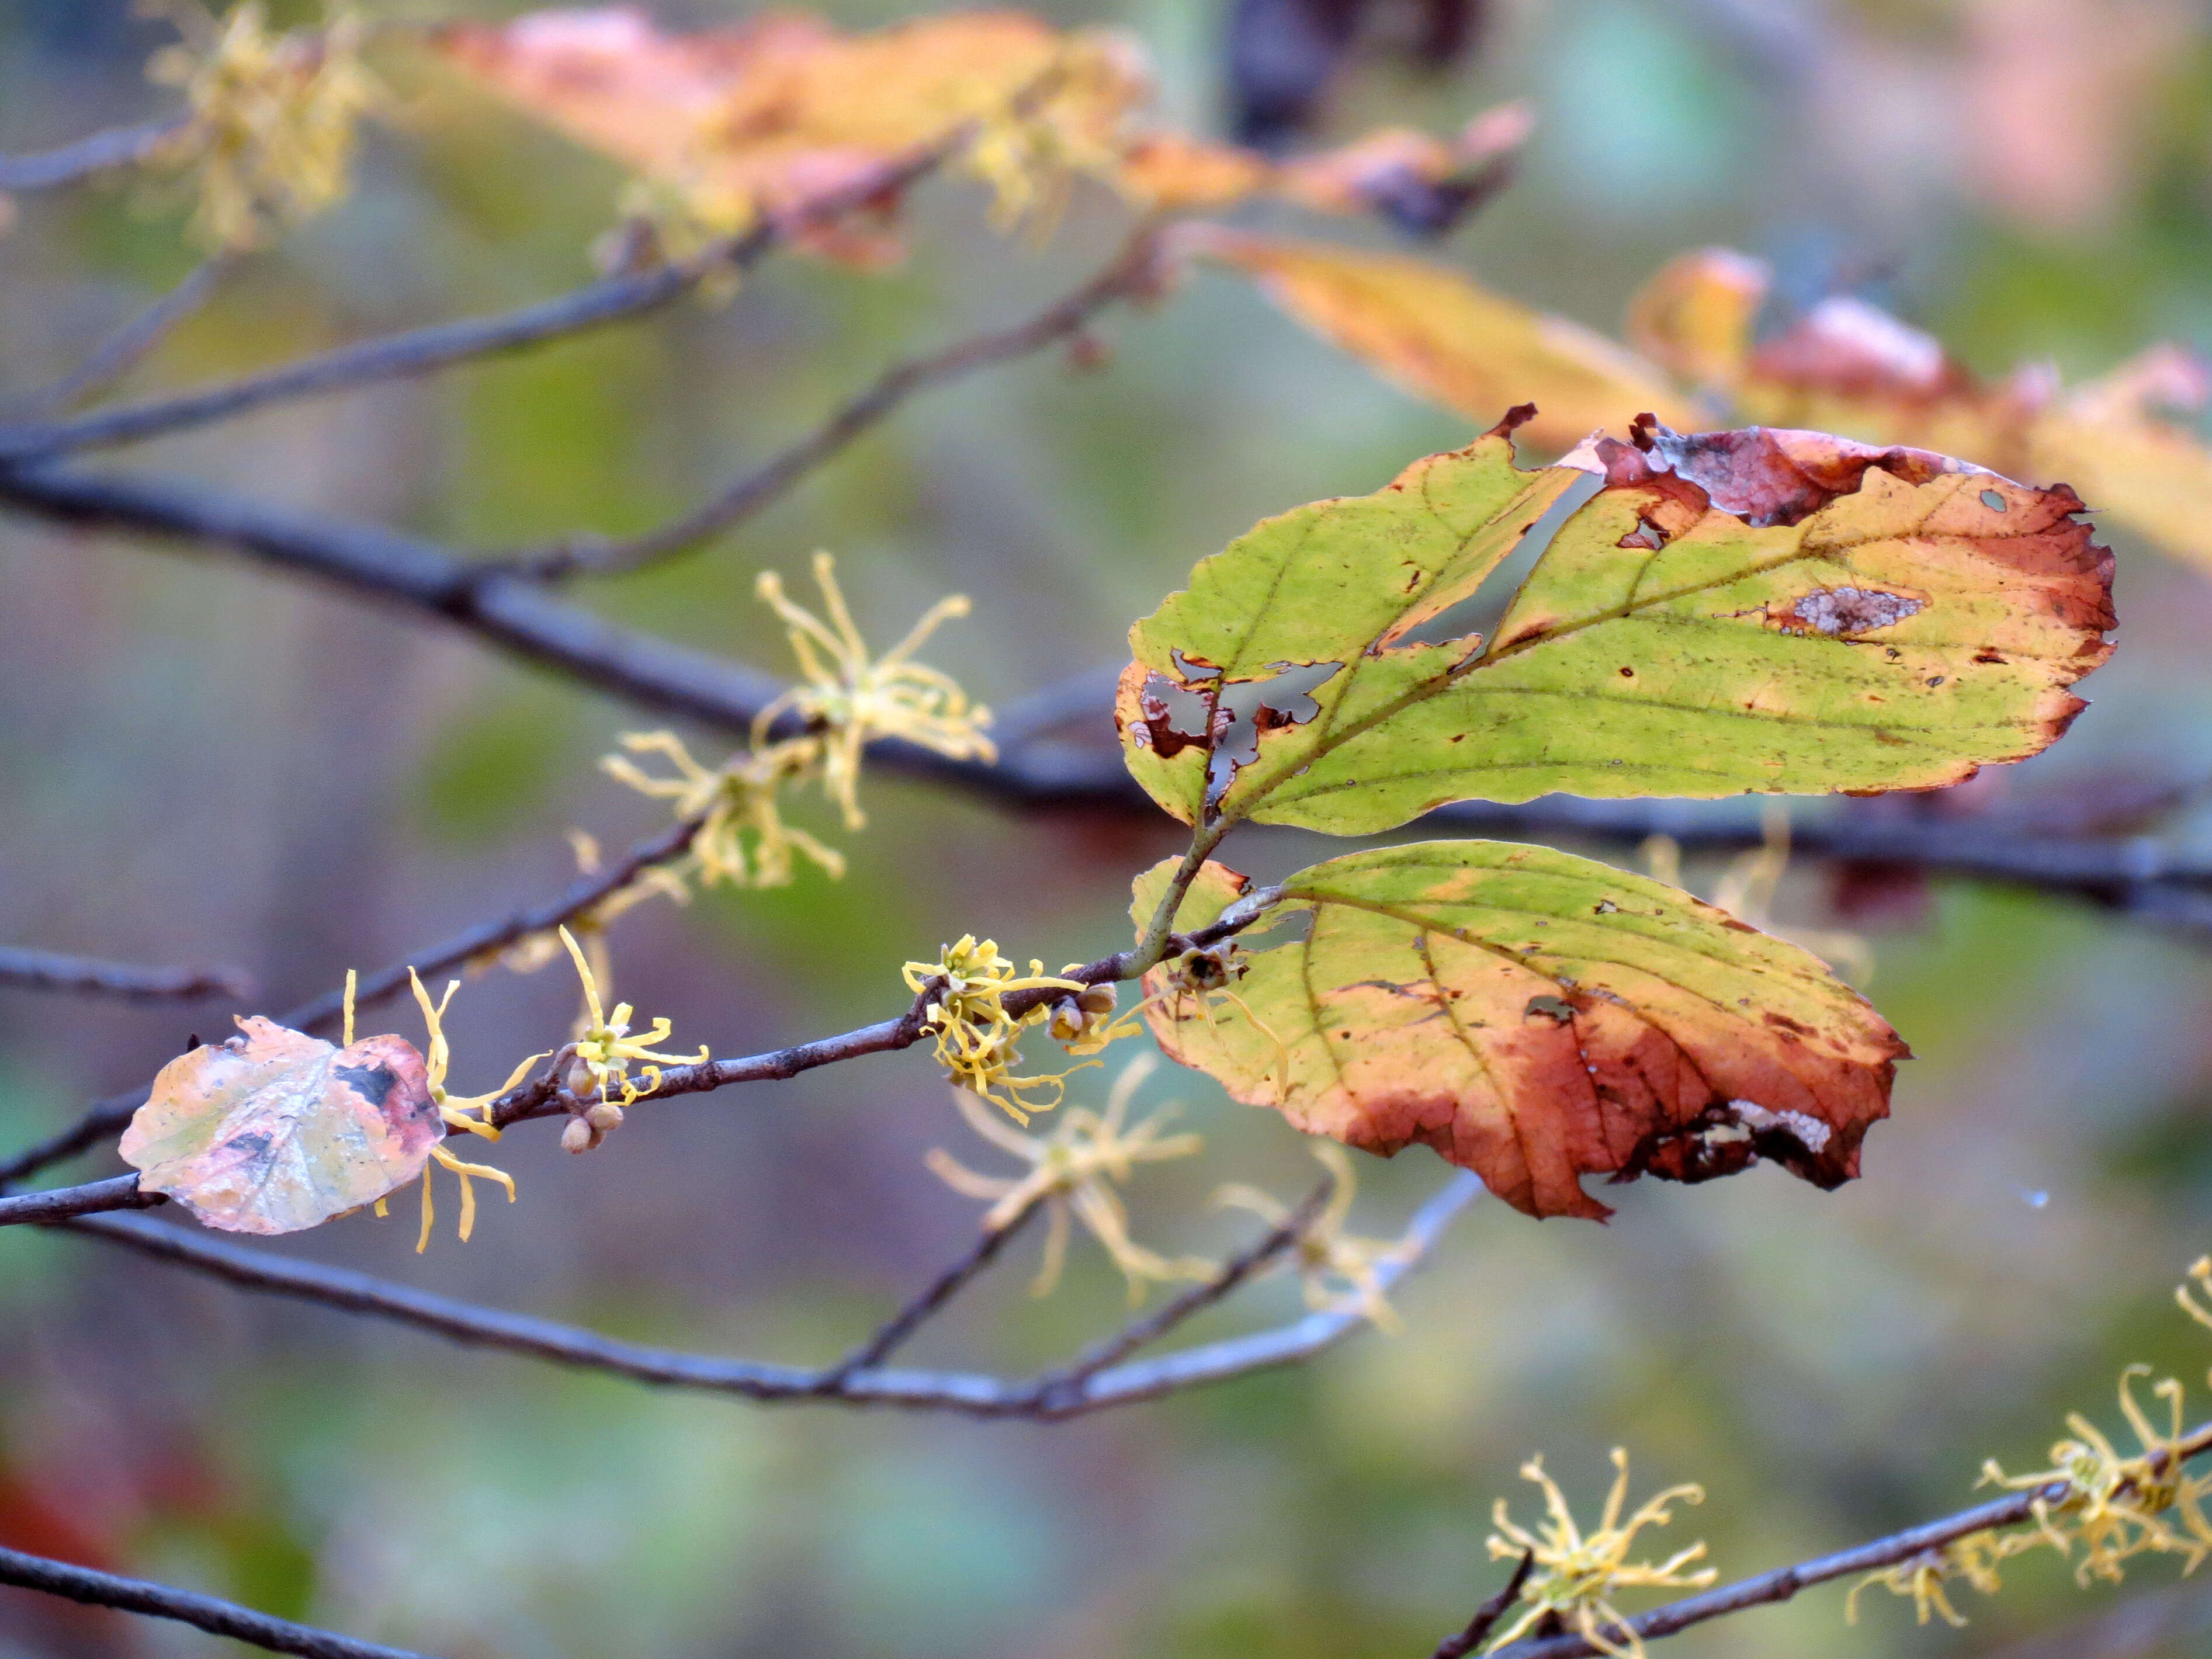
(1075, 1169)
(2117, 1507)
(600, 1056)
(976, 1036)
(471, 1113)
(848, 700)
(854, 699)
(1336, 1269)
(1974, 1558)
(274, 114)
(1576, 1578)
(737, 802)
(1029, 148)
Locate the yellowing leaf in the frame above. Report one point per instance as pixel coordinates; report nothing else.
(274, 1131)
(761, 115)
(1731, 612)
(1850, 368)
(1431, 331)
(1535, 1017)
(1694, 318)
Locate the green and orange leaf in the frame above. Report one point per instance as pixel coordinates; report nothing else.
(1758, 611)
(1535, 1017)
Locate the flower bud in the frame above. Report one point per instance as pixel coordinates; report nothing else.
(604, 1116)
(578, 1136)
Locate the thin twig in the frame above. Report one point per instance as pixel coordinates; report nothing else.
(105, 1589)
(108, 1117)
(121, 1193)
(2145, 876)
(101, 1119)
(50, 970)
(541, 1096)
(989, 1242)
(966, 1393)
(1458, 1646)
(1132, 272)
(116, 147)
(1142, 1331)
(1783, 1582)
(422, 350)
(579, 896)
(123, 351)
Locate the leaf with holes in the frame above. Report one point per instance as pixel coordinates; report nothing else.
(274, 1131)
(1730, 611)
(1429, 329)
(1535, 1017)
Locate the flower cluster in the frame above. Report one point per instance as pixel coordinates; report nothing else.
(2115, 1506)
(1075, 1170)
(2118, 1507)
(1030, 149)
(1974, 1558)
(597, 1060)
(848, 700)
(736, 804)
(1575, 1577)
(273, 115)
(977, 1036)
(1335, 1269)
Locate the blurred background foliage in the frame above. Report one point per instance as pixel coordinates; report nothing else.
(200, 761)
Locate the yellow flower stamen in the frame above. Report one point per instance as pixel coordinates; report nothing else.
(1335, 1270)
(471, 1113)
(1076, 1170)
(976, 1036)
(1576, 1578)
(273, 115)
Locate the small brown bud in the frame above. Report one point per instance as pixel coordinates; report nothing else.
(605, 1115)
(578, 1136)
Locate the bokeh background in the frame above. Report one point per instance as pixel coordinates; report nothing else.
(204, 760)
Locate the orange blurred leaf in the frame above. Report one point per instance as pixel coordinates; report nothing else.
(1435, 332)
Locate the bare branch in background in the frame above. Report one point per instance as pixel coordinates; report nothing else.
(50, 970)
(1132, 274)
(1768, 1588)
(462, 949)
(940, 1291)
(1142, 1332)
(105, 1589)
(2139, 875)
(123, 351)
(970, 1394)
(101, 1119)
(115, 148)
(422, 350)
(1487, 1616)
